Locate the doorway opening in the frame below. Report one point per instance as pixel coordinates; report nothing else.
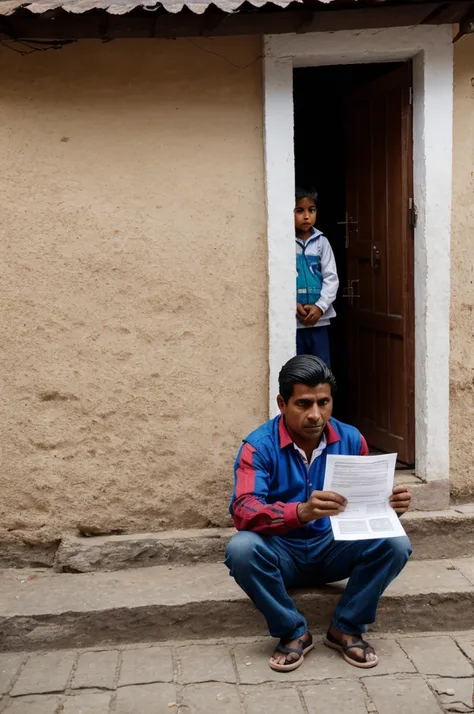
(353, 144)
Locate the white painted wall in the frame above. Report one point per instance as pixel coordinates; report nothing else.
(280, 187)
(430, 47)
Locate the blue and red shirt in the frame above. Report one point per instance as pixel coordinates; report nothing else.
(271, 478)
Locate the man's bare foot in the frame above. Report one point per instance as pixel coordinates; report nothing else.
(355, 655)
(280, 658)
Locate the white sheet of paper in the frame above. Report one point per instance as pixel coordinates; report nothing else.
(367, 483)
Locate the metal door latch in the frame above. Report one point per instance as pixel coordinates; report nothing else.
(374, 257)
(348, 222)
(348, 291)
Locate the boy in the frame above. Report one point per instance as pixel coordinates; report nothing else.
(316, 281)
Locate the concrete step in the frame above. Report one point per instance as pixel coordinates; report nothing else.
(435, 534)
(42, 609)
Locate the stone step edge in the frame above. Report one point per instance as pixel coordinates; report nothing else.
(201, 601)
(438, 534)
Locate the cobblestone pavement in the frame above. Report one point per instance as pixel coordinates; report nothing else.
(417, 674)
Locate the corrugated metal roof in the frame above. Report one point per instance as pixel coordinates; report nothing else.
(121, 7)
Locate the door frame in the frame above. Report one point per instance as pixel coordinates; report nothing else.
(430, 49)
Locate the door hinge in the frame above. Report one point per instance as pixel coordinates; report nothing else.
(410, 96)
(412, 212)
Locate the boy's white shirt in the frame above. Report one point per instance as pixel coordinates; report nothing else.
(318, 244)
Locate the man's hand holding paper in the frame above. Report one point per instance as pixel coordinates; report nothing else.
(400, 500)
(373, 503)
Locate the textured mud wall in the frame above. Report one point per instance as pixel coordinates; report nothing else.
(133, 283)
(462, 274)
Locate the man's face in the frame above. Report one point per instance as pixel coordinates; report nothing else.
(305, 216)
(307, 412)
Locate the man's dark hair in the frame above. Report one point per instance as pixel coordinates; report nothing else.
(310, 193)
(304, 369)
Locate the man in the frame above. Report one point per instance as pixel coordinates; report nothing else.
(285, 538)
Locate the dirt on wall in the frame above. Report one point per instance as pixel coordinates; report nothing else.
(462, 274)
(133, 288)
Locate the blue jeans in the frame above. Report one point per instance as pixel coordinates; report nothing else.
(313, 341)
(265, 566)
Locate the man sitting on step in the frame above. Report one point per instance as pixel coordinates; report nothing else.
(285, 538)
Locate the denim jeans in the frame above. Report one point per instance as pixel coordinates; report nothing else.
(265, 566)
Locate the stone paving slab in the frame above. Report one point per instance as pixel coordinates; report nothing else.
(437, 655)
(426, 577)
(36, 704)
(284, 700)
(466, 643)
(146, 699)
(455, 694)
(144, 666)
(204, 663)
(402, 696)
(211, 698)
(337, 696)
(9, 667)
(87, 703)
(392, 658)
(88, 592)
(418, 674)
(96, 669)
(466, 567)
(45, 672)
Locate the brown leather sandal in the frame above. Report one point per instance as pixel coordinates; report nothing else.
(351, 657)
(302, 650)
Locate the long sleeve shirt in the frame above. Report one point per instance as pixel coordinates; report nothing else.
(316, 257)
(271, 478)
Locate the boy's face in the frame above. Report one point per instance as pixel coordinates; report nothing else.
(305, 217)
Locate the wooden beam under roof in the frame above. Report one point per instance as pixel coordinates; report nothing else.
(60, 25)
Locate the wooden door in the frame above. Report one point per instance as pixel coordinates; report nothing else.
(380, 290)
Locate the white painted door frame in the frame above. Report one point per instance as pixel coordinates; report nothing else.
(430, 48)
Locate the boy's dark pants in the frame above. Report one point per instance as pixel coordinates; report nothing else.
(313, 341)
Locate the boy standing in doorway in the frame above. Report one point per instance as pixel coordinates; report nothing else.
(316, 281)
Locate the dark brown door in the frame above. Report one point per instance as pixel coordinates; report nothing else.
(380, 290)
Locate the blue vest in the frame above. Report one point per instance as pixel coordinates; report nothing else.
(309, 278)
